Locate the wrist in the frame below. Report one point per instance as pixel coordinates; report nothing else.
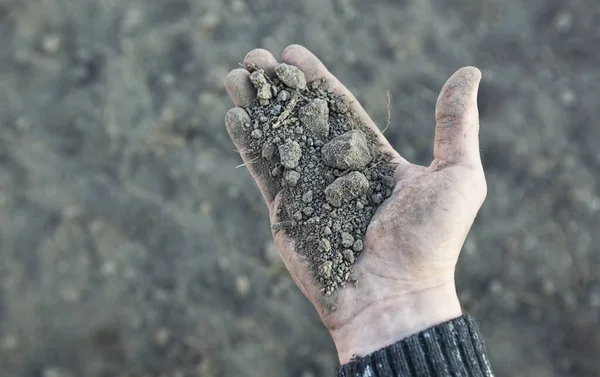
(389, 320)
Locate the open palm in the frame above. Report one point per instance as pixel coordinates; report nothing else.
(406, 270)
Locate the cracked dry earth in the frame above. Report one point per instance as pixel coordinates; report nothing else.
(307, 143)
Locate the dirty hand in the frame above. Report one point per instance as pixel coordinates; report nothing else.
(406, 270)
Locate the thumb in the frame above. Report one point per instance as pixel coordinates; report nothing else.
(457, 120)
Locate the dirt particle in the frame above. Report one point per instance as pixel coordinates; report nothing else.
(291, 177)
(268, 151)
(260, 82)
(162, 337)
(284, 96)
(348, 255)
(290, 154)
(291, 76)
(315, 117)
(324, 245)
(346, 188)
(257, 134)
(347, 239)
(51, 43)
(325, 269)
(307, 197)
(377, 198)
(347, 151)
(242, 286)
(277, 170)
(358, 246)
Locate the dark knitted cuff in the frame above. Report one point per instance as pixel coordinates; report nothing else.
(454, 348)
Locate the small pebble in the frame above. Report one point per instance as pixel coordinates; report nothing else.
(162, 337)
(268, 151)
(325, 269)
(307, 197)
(257, 134)
(377, 198)
(283, 96)
(242, 286)
(348, 255)
(357, 246)
(308, 211)
(277, 170)
(347, 239)
(290, 154)
(51, 43)
(291, 177)
(291, 76)
(324, 245)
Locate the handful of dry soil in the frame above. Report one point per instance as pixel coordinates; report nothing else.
(329, 166)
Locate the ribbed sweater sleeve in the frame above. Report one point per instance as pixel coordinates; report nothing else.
(452, 349)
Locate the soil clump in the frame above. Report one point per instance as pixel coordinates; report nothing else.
(308, 143)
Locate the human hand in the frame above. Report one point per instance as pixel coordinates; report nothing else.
(406, 271)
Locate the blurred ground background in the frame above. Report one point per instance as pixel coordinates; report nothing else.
(130, 246)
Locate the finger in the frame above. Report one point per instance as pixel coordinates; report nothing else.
(457, 120)
(314, 69)
(240, 88)
(260, 59)
(237, 122)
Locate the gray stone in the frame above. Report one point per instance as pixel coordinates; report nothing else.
(263, 88)
(377, 198)
(290, 154)
(346, 188)
(291, 76)
(325, 269)
(347, 151)
(347, 239)
(284, 96)
(268, 151)
(348, 255)
(291, 177)
(324, 245)
(315, 117)
(357, 246)
(307, 197)
(257, 134)
(277, 170)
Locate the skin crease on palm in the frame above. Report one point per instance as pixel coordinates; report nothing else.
(406, 270)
